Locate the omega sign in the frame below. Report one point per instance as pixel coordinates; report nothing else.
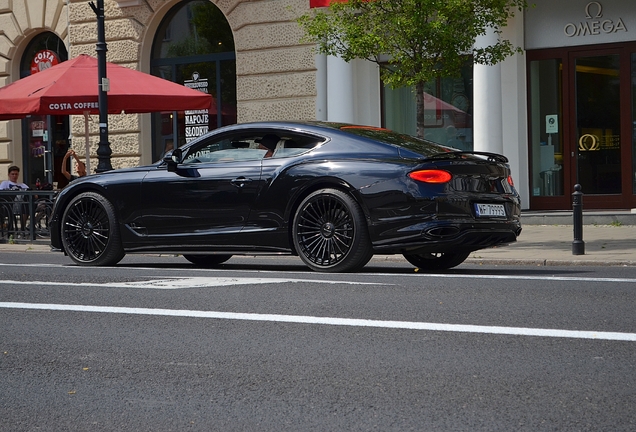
(594, 24)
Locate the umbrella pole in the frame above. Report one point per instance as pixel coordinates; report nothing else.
(87, 144)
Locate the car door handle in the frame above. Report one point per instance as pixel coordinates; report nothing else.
(240, 181)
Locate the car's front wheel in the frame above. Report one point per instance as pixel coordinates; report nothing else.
(330, 232)
(90, 234)
(437, 261)
(207, 260)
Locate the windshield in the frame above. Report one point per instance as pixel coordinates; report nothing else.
(410, 146)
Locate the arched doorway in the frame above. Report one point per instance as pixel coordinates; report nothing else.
(45, 139)
(194, 46)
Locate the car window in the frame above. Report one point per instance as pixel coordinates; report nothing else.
(248, 146)
(223, 150)
(293, 145)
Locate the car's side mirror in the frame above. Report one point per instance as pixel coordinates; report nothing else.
(173, 158)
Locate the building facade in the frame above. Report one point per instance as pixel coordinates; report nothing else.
(562, 112)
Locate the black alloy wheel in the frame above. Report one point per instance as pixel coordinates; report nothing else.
(330, 232)
(437, 261)
(207, 260)
(90, 234)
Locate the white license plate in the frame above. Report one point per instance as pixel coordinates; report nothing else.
(490, 210)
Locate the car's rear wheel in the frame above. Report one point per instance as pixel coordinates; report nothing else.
(90, 234)
(437, 261)
(330, 232)
(207, 260)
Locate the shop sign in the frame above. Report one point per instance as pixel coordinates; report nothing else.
(37, 128)
(42, 60)
(595, 23)
(550, 24)
(591, 142)
(196, 121)
(552, 124)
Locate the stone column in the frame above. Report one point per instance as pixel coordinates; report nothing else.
(487, 102)
(340, 101)
(321, 87)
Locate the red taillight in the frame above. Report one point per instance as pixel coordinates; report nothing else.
(431, 176)
(510, 181)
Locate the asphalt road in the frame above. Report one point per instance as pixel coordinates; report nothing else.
(155, 344)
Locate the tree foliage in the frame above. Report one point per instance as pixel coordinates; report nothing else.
(413, 35)
(413, 41)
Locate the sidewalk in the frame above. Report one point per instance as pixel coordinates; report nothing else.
(537, 245)
(552, 245)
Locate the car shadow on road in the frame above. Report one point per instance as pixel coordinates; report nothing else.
(292, 265)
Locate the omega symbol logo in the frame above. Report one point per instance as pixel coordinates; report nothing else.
(589, 142)
(599, 10)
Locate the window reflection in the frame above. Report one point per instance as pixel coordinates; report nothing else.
(448, 108)
(546, 130)
(194, 46)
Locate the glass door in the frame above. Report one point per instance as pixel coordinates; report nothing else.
(547, 134)
(598, 124)
(581, 126)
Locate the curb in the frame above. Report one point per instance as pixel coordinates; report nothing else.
(548, 262)
(33, 248)
(527, 262)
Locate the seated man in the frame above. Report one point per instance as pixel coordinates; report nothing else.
(19, 207)
(268, 143)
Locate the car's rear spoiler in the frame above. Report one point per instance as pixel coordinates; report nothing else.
(494, 157)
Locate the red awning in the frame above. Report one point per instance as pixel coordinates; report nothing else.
(323, 3)
(70, 88)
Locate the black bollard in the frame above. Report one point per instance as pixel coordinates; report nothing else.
(578, 245)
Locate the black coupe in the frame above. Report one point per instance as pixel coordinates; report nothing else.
(333, 194)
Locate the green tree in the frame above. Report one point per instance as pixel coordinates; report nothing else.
(413, 41)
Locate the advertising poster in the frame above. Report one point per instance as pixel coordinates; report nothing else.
(196, 121)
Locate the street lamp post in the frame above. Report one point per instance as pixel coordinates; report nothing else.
(103, 150)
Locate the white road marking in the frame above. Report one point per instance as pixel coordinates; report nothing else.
(389, 275)
(299, 319)
(522, 277)
(193, 282)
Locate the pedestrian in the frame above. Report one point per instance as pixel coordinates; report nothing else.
(80, 166)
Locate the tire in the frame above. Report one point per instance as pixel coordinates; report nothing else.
(90, 232)
(437, 261)
(330, 232)
(207, 260)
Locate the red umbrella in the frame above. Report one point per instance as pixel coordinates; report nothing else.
(71, 88)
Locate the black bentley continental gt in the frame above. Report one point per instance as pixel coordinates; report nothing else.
(333, 194)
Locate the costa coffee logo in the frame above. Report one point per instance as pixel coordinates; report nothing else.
(42, 60)
(594, 23)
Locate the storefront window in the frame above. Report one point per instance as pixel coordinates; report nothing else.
(598, 124)
(634, 123)
(45, 139)
(546, 129)
(194, 46)
(447, 110)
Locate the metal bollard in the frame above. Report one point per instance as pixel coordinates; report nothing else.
(578, 245)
